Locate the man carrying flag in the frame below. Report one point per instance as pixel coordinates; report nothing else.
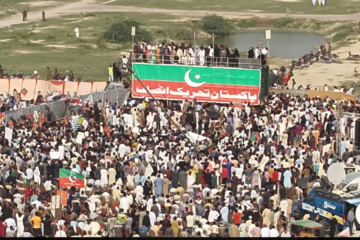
(27, 189)
(288, 75)
(68, 178)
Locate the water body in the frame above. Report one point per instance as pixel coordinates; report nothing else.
(283, 44)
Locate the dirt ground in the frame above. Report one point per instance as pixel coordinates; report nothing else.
(319, 74)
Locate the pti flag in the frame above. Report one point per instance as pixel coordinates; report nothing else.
(289, 75)
(27, 189)
(24, 91)
(68, 178)
(198, 82)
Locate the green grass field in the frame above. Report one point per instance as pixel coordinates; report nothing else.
(29, 47)
(11, 7)
(34, 46)
(269, 6)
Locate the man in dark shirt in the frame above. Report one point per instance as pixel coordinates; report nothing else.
(333, 226)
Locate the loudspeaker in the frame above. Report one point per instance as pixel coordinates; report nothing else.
(357, 135)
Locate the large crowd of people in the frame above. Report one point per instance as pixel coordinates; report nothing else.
(147, 175)
(14, 101)
(211, 55)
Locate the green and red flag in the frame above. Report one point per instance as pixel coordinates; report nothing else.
(150, 55)
(210, 84)
(68, 178)
(288, 75)
(27, 189)
(107, 130)
(24, 91)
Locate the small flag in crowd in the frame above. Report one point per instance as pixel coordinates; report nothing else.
(68, 178)
(24, 91)
(27, 189)
(289, 75)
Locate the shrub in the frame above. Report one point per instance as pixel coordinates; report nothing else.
(342, 32)
(183, 34)
(50, 37)
(247, 23)
(282, 22)
(120, 32)
(217, 25)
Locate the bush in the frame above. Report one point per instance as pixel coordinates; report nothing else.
(217, 25)
(51, 37)
(342, 32)
(282, 22)
(121, 32)
(183, 34)
(247, 23)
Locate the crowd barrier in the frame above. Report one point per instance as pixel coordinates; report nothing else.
(313, 94)
(60, 109)
(33, 86)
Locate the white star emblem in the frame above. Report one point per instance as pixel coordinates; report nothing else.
(197, 76)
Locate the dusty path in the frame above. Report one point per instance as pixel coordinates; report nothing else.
(90, 6)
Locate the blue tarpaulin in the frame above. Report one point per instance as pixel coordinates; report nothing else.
(355, 201)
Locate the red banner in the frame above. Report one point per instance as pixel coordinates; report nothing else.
(207, 92)
(33, 86)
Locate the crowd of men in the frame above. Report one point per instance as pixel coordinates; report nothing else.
(14, 101)
(210, 55)
(145, 175)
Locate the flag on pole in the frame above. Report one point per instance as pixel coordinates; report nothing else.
(42, 119)
(24, 91)
(107, 130)
(27, 189)
(289, 75)
(68, 178)
(194, 35)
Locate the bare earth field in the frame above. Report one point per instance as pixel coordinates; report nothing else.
(33, 45)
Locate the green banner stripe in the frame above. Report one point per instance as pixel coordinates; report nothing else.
(198, 74)
(65, 173)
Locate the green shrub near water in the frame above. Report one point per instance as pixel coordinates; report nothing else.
(342, 32)
(247, 23)
(213, 24)
(282, 22)
(120, 32)
(183, 34)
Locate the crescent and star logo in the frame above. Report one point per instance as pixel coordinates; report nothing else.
(72, 178)
(191, 83)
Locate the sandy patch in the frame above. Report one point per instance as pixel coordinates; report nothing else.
(40, 3)
(108, 2)
(23, 51)
(48, 27)
(319, 74)
(37, 41)
(60, 46)
(255, 11)
(80, 20)
(289, 0)
(5, 40)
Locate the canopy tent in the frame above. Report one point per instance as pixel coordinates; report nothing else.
(308, 224)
